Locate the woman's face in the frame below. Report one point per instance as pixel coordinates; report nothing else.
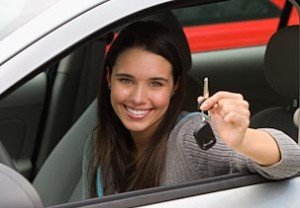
(141, 88)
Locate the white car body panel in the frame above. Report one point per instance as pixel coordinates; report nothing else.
(41, 25)
(267, 195)
(57, 41)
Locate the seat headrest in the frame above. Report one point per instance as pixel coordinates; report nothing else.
(282, 62)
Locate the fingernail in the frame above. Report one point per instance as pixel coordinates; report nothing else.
(204, 105)
(200, 99)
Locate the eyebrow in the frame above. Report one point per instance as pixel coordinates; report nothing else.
(123, 75)
(152, 78)
(159, 79)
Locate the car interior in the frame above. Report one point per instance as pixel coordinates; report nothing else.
(55, 112)
(281, 53)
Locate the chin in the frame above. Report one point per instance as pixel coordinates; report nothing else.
(136, 128)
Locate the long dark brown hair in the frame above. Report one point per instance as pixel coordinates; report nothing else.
(114, 150)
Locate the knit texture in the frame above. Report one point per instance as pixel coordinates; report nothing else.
(186, 161)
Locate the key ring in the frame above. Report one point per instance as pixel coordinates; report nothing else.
(205, 117)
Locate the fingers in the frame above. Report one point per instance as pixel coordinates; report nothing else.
(200, 101)
(230, 106)
(236, 118)
(227, 105)
(215, 99)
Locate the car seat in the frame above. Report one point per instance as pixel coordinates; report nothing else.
(282, 74)
(59, 179)
(16, 191)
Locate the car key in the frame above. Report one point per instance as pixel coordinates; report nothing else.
(205, 136)
(205, 95)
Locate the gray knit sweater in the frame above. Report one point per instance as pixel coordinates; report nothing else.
(185, 161)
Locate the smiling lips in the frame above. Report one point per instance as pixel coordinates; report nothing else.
(137, 114)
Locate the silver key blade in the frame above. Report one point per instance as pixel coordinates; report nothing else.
(205, 88)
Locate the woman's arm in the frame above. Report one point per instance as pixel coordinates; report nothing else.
(230, 117)
(259, 146)
(222, 159)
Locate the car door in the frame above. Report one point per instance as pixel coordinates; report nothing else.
(192, 194)
(30, 147)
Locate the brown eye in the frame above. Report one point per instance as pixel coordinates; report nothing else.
(156, 84)
(126, 81)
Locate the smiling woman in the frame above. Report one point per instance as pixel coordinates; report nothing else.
(143, 66)
(140, 98)
(145, 140)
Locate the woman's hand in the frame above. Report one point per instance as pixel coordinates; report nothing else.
(230, 116)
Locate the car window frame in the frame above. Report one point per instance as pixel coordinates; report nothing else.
(202, 186)
(10, 69)
(171, 192)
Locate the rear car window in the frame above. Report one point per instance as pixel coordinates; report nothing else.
(231, 24)
(234, 10)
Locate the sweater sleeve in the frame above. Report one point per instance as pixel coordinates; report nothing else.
(288, 166)
(197, 163)
(220, 159)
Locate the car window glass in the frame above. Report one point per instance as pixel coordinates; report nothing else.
(228, 11)
(231, 24)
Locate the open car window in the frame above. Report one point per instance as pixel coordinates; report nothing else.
(62, 90)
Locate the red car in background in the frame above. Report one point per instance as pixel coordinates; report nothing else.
(242, 23)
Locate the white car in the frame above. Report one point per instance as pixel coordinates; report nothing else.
(50, 61)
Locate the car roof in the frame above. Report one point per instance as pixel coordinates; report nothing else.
(45, 19)
(61, 27)
(40, 22)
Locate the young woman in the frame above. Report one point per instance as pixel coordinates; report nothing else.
(143, 139)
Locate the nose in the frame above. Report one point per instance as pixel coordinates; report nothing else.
(139, 95)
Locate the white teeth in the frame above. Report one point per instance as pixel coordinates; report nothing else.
(137, 112)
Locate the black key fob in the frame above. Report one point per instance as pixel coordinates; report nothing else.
(205, 137)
